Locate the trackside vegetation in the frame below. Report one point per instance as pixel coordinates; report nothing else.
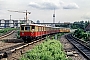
(48, 50)
(18, 34)
(81, 34)
(5, 30)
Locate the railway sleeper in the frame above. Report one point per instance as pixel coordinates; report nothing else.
(12, 50)
(35, 41)
(87, 53)
(86, 50)
(6, 53)
(70, 54)
(19, 47)
(80, 48)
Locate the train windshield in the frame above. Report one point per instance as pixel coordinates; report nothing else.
(27, 28)
(22, 27)
(33, 27)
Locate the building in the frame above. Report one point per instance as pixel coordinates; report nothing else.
(12, 23)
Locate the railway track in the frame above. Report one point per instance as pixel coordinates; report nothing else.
(4, 53)
(81, 47)
(7, 35)
(7, 40)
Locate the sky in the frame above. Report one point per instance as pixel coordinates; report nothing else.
(43, 10)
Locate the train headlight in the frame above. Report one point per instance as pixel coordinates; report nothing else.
(22, 33)
(32, 33)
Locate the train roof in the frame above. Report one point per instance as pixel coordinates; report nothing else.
(33, 24)
(29, 24)
(48, 26)
(41, 25)
(45, 26)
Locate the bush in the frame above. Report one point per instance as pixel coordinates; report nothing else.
(6, 30)
(18, 34)
(81, 34)
(49, 50)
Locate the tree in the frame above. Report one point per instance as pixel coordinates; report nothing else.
(79, 33)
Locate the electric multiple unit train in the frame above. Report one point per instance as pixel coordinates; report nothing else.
(28, 32)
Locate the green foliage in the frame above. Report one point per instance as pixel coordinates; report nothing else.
(58, 35)
(65, 25)
(69, 58)
(80, 25)
(5, 30)
(48, 50)
(18, 34)
(81, 34)
(75, 25)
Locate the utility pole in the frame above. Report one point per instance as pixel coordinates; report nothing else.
(26, 16)
(10, 17)
(10, 21)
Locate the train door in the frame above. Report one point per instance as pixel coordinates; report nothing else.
(39, 29)
(46, 31)
(43, 30)
(33, 30)
(36, 31)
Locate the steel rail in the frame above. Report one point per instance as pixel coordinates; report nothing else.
(5, 52)
(7, 34)
(82, 48)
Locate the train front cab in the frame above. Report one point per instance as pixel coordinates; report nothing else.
(25, 32)
(28, 32)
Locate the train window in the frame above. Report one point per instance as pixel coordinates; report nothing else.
(22, 27)
(33, 27)
(39, 28)
(27, 28)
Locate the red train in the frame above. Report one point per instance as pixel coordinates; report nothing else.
(28, 32)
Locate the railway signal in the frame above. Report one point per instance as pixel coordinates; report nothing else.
(21, 12)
